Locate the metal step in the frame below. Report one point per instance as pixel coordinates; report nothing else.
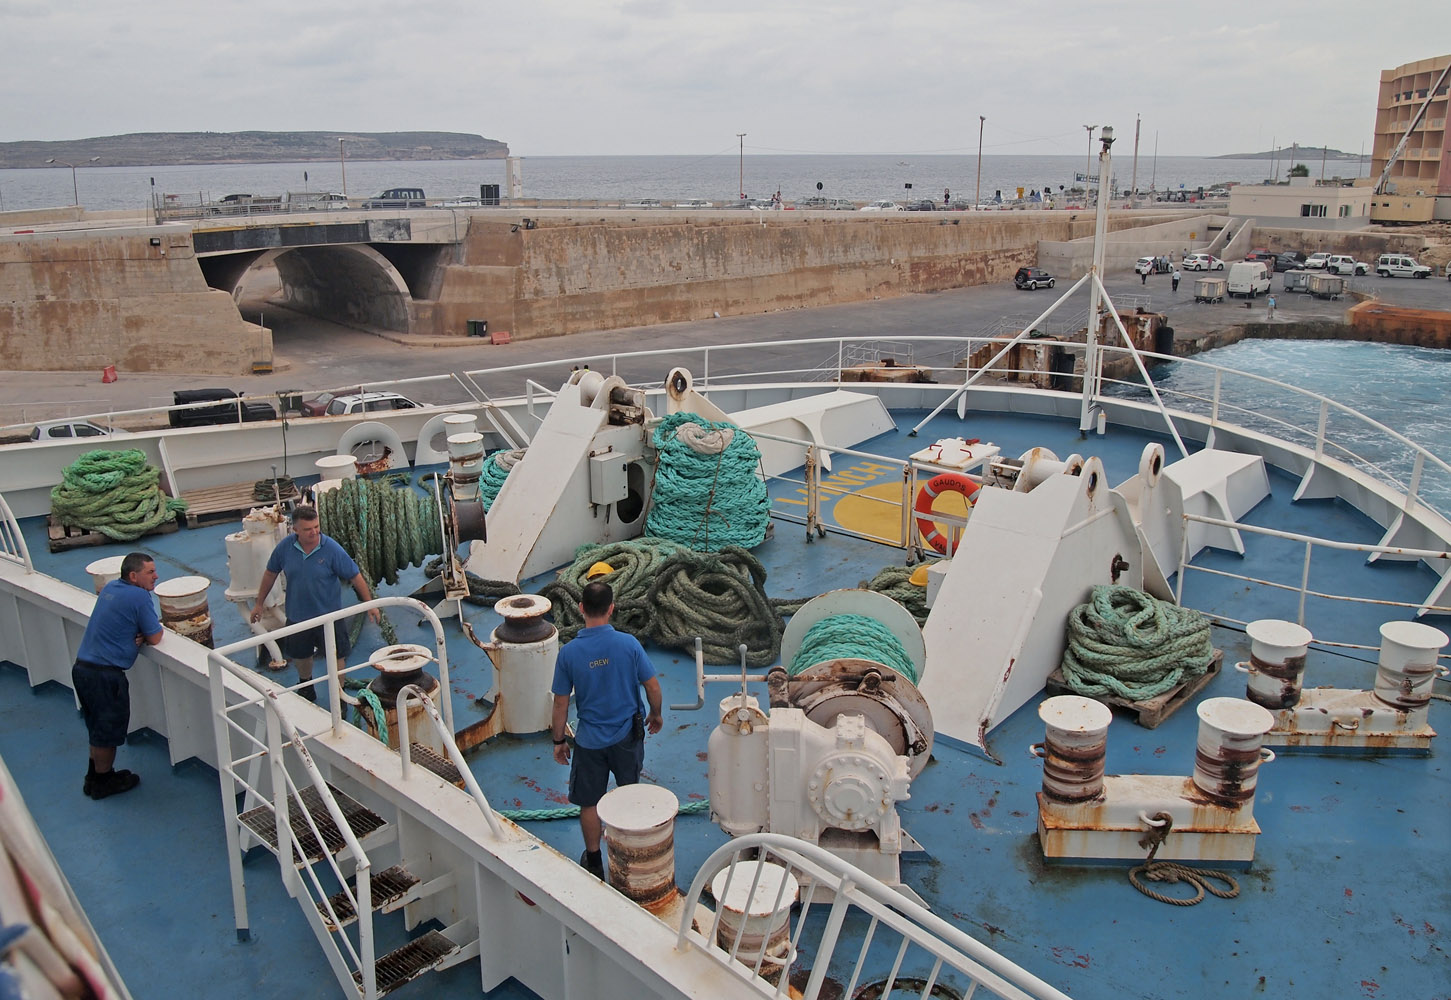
(387, 887)
(361, 820)
(410, 961)
(431, 760)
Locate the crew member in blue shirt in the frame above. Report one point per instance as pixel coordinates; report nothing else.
(314, 565)
(605, 670)
(123, 618)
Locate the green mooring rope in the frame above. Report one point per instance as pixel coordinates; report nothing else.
(838, 637)
(1125, 643)
(113, 492)
(893, 581)
(707, 493)
(570, 812)
(670, 594)
(496, 469)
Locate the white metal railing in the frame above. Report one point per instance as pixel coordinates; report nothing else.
(906, 949)
(284, 745)
(12, 542)
(445, 736)
(1310, 542)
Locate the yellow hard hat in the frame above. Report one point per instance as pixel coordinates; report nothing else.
(599, 569)
(919, 576)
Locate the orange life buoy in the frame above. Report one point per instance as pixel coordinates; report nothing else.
(923, 506)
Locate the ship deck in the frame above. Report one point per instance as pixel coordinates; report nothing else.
(1336, 902)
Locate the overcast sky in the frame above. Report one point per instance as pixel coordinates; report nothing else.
(683, 76)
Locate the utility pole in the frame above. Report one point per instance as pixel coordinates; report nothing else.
(1323, 151)
(742, 184)
(977, 195)
(343, 159)
(1134, 183)
(1088, 164)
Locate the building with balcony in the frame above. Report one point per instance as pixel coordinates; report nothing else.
(1424, 167)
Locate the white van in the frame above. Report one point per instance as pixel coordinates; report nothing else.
(1398, 265)
(315, 201)
(1248, 278)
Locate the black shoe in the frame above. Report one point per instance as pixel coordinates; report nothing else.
(594, 863)
(308, 693)
(91, 776)
(108, 783)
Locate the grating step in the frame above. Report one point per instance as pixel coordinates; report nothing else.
(410, 961)
(387, 886)
(361, 820)
(431, 760)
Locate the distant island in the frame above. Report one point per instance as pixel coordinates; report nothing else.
(157, 149)
(1302, 153)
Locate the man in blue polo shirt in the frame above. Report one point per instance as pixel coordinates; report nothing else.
(605, 669)
(122, 619)
(314, 565)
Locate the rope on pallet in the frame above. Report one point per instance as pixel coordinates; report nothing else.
(113, 492)
(839, 637)
(670, 594)
(1125, 643)
(272, 490)
(707, 492)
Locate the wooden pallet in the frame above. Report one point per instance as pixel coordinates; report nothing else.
(1155, 710)
(62, 537)
(224, 503)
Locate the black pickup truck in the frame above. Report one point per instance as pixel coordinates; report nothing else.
(215, 406)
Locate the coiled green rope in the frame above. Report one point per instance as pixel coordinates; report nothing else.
(570, 812)
(707, 493)
(1123, 642)
(384, 527)
(893, 581)
(839, 637)
(113, 492)
(496, 469)
(670, 595)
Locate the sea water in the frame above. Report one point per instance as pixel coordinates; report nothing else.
(715, 178)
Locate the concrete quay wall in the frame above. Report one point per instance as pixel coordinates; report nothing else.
(78, 300)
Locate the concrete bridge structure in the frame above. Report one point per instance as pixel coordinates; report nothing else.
(81, 292)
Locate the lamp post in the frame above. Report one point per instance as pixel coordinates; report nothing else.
(75, 190)
(977, 194)
(343, 161)
(1088, 164)
(742, 182)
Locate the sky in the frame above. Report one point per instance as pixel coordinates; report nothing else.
(638, 77)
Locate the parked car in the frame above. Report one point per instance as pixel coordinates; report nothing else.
(813, 203)
(694, 203)
(315, 201)
(1261, 254)
(1398, 265)
(1249, 278)
(1316, 261)
(52, 430)
(223, 406)
(464, 201)
(1162, 264)
(1289, 260)
(1345, 264)
(841, 205)
(400, 197)
(364, 402)
(922, 205)
(643, 203)
(1202, 262)
(885, 205)
(1033, 278)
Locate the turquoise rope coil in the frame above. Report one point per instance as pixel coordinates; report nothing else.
(840, 637)
(115, 493)
(707, 492)
(570, 812)
(496, 469)
(1125, 643)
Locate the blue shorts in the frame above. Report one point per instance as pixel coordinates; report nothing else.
(105, 696)
(589, 770)
(309, 643)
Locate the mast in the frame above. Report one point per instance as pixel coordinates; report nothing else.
(1091, 359)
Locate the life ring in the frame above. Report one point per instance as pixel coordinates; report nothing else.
(929, 492)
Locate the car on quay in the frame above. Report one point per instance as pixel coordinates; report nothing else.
(328, 404)
(463, 201)
(922, 205)
(694, 203)
(1202, 262)
(1033, 278)
(55, 430)
(1316, 261)
(1289, 260)
(643, 203)
(1398, 265)
(1345, 264)
(884, 205)
(1262, 255)
(399, 197)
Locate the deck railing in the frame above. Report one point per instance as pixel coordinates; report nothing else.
(925, 952)
(12, 542)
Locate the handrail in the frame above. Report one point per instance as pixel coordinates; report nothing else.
(12, 541)
(848, 886)
(454, 754)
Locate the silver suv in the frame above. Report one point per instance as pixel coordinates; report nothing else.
(1398, 265)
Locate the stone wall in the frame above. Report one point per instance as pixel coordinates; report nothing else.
(76, 301)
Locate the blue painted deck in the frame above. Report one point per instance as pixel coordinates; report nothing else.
(1346, 897)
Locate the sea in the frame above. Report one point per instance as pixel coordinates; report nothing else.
(719, 179)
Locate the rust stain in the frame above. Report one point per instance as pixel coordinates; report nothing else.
(1067, 956)
(1370, 987)
(977, 823)
(702, 755)
(553, 795)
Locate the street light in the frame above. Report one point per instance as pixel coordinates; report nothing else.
(343, 159)
(977, 196)
(742, 183)
(75, 191)
(1088, 164)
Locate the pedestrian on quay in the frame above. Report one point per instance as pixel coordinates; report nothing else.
(946, 197)
(1175, 279)
(1144, 275)
(604, 669)
(314, 565)
(123, 618)
(1270, 304)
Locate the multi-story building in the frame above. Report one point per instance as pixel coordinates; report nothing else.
(1424, 166)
